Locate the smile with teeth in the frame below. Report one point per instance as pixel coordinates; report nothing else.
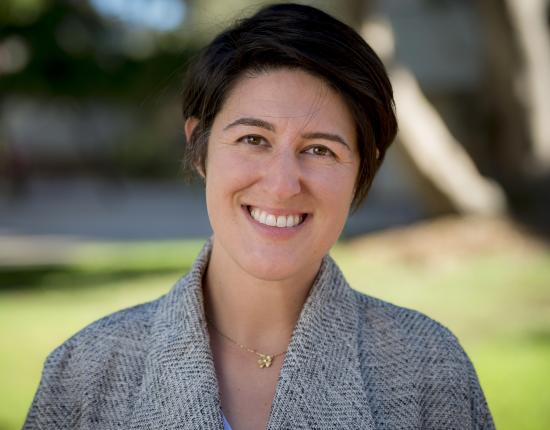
(263, 217)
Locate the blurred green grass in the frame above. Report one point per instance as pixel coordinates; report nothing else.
(498, 305)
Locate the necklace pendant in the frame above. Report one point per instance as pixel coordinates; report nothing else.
(265, 361)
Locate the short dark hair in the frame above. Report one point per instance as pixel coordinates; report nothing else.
(303, 37)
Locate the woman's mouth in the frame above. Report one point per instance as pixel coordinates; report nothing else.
(280, 220)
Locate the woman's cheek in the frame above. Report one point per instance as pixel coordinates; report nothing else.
(334, 181)
(234, 163)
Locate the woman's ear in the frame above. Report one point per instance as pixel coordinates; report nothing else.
(200, 170)
(190, 124)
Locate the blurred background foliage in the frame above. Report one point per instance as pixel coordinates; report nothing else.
(70, 49)
(94, 215)
(71, 60)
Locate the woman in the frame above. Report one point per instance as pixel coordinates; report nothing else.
(288, 115)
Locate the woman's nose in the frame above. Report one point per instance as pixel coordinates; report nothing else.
(282, 177)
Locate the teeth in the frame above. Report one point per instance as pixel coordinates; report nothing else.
(275, 221)
(289, 221)
(270, 220)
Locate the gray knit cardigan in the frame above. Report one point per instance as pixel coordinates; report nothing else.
(354, 362)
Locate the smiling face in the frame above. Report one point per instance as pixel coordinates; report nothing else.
(281, 167)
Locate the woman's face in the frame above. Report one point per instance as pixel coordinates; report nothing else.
(280, 173)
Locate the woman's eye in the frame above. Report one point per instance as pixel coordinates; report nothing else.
(251, 139)
(320, 151)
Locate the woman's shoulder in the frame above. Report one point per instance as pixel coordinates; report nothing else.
(109, 352)
(417, 331)
(120, 339)
(418, 356)
(120, 334)
(127, 328)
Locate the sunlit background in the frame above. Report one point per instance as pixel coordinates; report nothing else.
(96, 214)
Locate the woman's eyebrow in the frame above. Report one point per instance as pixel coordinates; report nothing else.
(326, 136)
(254, 122)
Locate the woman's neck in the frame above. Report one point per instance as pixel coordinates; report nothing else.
(258, 313)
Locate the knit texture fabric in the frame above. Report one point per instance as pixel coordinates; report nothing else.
(354, 362)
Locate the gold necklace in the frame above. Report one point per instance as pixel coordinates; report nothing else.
(264, 361)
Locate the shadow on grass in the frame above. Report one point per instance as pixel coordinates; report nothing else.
(539, 335)
(4, 426)
(63, 276)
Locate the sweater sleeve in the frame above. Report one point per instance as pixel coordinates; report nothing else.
(481, 418)
(56, 404)
(480, 410)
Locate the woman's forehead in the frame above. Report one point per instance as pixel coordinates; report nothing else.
(284, 95)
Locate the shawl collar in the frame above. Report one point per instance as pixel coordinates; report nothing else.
(320, 384)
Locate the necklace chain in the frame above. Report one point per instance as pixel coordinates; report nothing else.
(264, 361)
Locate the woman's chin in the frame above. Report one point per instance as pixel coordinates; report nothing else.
(276, 269)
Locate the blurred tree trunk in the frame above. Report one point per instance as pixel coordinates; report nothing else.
(446, 175)
(518, 50)
(443, 172)
(530, 22)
